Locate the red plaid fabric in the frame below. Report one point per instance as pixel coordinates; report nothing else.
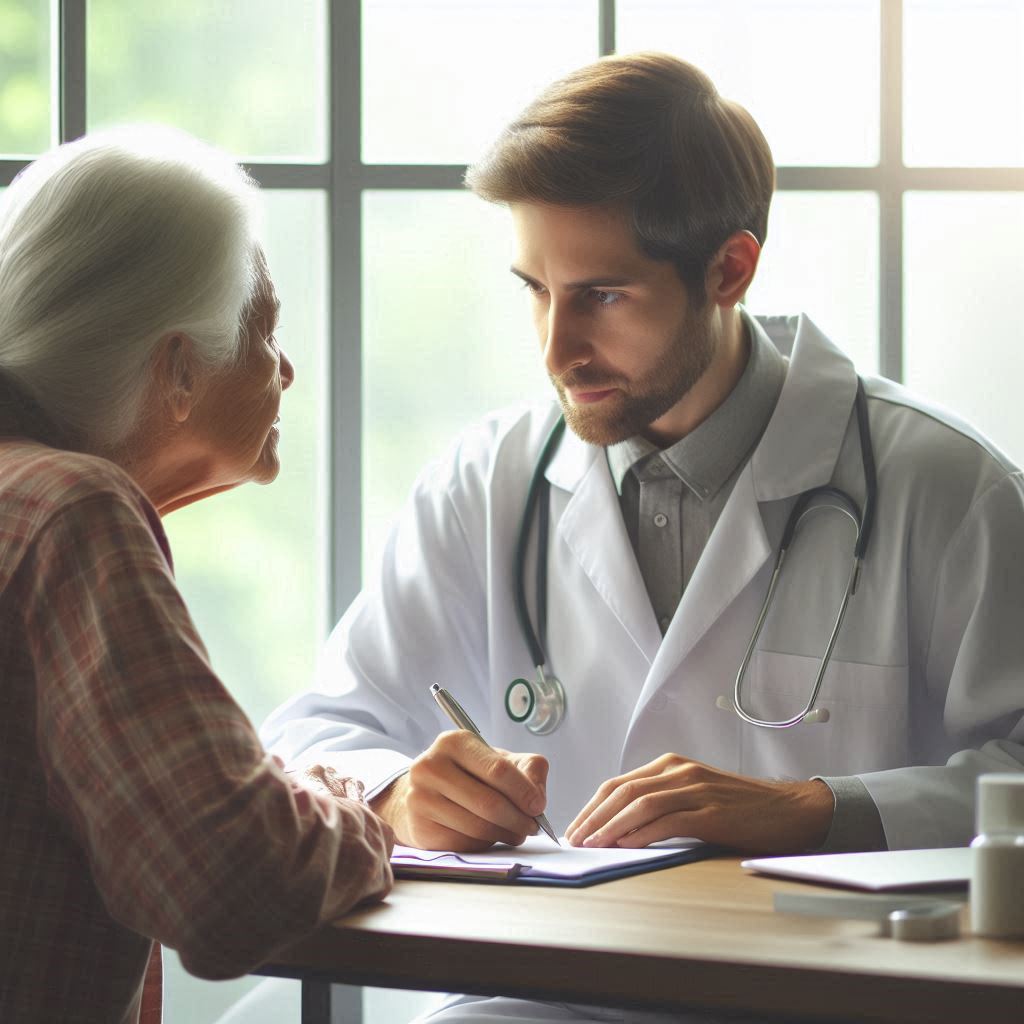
(136, 802)
(152, 1009)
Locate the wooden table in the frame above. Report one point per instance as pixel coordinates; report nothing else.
(702, 935)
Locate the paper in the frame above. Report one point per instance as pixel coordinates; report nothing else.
(878, 870)
(539, 859)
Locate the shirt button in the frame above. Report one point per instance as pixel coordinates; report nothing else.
(664, 622)
(661, 519)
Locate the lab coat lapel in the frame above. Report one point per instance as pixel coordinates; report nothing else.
(593, 530)
(801, 445)
(798, 451)
(736, 550)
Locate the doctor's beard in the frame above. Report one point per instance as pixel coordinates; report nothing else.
(638, 403)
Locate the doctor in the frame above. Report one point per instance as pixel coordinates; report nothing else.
(639, 199)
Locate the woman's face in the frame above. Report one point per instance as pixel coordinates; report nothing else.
(235, 417)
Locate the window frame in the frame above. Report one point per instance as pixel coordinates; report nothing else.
(345, 178)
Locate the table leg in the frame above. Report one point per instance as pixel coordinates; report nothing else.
(324, 1003)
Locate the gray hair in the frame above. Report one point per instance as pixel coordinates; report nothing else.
(107, 245)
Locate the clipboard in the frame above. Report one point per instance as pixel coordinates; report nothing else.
(539, 862)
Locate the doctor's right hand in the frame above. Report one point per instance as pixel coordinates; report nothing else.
(462, 795)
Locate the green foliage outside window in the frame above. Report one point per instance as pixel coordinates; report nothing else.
(24, 77)
(248, 75)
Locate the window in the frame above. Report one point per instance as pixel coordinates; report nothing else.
(898, 127)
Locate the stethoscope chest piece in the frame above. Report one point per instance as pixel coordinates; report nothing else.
(539, 705)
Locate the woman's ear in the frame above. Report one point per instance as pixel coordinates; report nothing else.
(174, 376)
(733, 269)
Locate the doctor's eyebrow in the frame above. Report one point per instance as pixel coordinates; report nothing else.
(526, 277)
(594, 282)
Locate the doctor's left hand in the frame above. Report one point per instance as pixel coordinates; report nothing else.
(673, 796)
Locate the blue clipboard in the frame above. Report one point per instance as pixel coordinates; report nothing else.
(686, 856)
(538, 863)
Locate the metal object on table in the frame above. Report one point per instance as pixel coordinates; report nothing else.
(905, 918)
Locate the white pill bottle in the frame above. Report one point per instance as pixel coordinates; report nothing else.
(997, 858)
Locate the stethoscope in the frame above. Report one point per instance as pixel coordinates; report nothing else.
(540, 704)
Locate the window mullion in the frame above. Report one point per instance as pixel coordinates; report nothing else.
(344, 356)
(890, 235)
(70, 69)
(605, 27)
(9, 170)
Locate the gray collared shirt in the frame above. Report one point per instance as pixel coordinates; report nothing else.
(671, 499)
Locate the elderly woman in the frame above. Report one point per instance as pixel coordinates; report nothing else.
(138, 373)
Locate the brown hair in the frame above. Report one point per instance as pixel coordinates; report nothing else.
(649, 132)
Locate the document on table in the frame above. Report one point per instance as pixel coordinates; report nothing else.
(539, 862)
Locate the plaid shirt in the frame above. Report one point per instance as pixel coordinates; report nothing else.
(136, 802)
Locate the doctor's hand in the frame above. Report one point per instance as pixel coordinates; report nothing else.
(674, 796)
(460, 794)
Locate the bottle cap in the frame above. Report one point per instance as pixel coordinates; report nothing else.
(927, 922)
(1001, 802)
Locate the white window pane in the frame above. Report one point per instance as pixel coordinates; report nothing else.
(821, 258)
(441, 78)
(248, 75)
(251, 562)
(807, 70)
(24, 77)
(188, 1000)
(448, 337)
(963, 279)
(963, 82)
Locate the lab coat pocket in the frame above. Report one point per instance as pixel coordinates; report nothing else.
(866, 728)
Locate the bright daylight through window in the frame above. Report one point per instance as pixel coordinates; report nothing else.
(897, 125)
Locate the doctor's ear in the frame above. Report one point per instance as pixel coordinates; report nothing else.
(732, 269)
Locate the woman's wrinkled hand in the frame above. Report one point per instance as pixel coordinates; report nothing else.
(322, 779)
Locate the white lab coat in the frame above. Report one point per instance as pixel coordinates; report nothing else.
(925, 686)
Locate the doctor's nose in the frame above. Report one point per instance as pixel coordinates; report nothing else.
(565, 347)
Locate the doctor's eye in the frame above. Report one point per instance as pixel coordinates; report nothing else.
(534, 288)
(605, 298)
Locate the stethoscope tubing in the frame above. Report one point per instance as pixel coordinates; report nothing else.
(538, 488)
(863, 518)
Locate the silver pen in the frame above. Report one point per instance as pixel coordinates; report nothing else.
(455, 711)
